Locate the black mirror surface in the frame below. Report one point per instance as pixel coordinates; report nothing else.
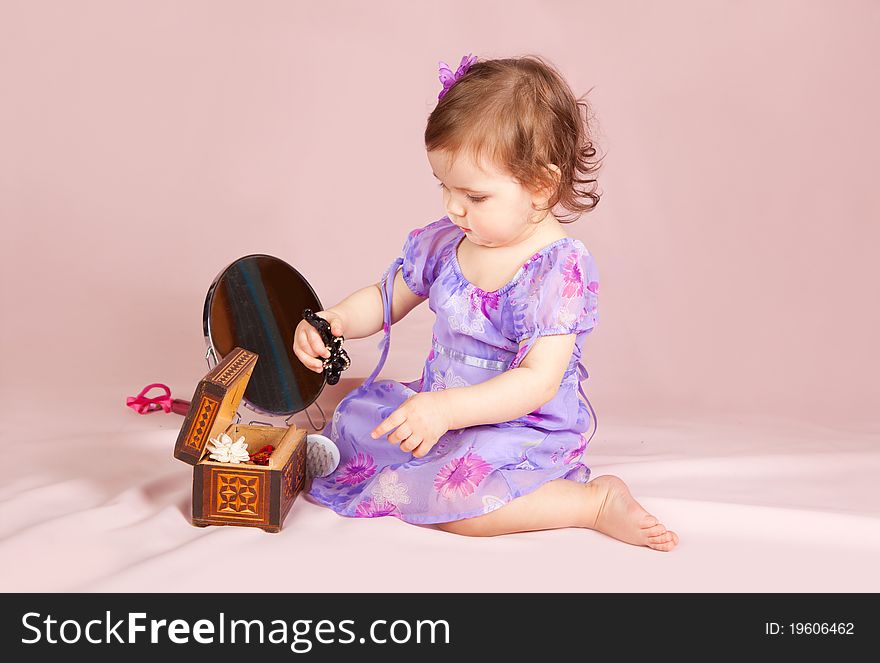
(256, 303)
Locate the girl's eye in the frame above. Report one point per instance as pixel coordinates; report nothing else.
(471, 198)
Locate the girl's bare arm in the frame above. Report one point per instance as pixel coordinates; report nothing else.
(510, 395)
(515, 392)
(362, 311)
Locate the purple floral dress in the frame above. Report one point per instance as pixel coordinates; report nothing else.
(473, 470)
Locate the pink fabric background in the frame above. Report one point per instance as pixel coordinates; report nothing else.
(144, 146)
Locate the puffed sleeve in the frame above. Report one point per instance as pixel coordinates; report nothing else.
(558, 294)
(423, 252)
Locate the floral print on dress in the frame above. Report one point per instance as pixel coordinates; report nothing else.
(477, 469)
(517, 358)
(390, 490)
(374, 508)
(462, 476)
(447, 380)
(554, 298)
(524, 465)
(491, 503)
(461, 317)
(566, 317)
(575, 454)
(572, 279)
(482, 301)
(423, 251)
(357, 470)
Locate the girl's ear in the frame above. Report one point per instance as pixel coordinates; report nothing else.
(541, 197)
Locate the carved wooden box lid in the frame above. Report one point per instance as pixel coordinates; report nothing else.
(214, 404)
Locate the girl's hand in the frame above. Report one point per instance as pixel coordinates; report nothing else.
(419, 422)
(307, 343)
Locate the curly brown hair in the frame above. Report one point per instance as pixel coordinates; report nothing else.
(522, 115)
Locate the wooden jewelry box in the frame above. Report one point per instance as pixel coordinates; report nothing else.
(244, 494)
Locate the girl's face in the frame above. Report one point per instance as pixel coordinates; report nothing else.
(492, 207)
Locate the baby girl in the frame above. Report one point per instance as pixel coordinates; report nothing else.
(491, 438)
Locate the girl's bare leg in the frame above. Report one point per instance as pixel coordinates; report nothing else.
(603, 504)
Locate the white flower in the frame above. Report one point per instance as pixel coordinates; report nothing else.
(389, 490)
(448, 380)
(459, 304)
(224, 450)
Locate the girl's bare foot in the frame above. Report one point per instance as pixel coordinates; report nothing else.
(621, 517)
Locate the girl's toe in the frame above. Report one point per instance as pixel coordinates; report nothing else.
(655, 530)
(648, 521)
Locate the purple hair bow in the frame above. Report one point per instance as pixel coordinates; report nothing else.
(448, 78)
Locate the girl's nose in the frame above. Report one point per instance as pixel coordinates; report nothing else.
(454, 209)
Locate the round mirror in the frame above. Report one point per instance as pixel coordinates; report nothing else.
(256, 303)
